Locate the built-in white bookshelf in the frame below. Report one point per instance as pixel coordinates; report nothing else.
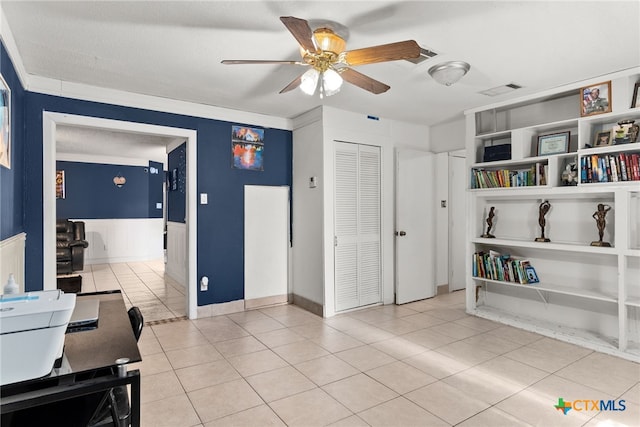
(588, 295)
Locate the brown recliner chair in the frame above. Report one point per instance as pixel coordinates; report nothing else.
(70, 246)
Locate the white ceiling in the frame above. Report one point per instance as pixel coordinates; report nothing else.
(174, 49)
(100, 145)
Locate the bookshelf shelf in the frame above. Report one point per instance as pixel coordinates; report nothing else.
(558, 289)
(633, 302)
(577, 336)
(577, 296)
(549, 246)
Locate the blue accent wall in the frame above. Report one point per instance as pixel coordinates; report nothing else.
(220, 246)
(177, 191)
(90, 192)
(11, 180)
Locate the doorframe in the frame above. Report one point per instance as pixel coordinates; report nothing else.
(50, 121)
(457, 217)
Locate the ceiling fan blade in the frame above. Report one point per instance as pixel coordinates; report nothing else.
(387, 52)
(365, 82)
(294, 84)
(301, 31)
(259, 61)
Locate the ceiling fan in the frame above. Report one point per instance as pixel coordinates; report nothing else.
(324, 51)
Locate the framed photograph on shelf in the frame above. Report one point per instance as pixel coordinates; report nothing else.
(554, 143)
(603, 139)
(595, 99)
(635, 101)
(5, 124)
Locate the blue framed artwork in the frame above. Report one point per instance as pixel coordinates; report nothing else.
(247, 148)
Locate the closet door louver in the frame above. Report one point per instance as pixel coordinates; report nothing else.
(357, 225)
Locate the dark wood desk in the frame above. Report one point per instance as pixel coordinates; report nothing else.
(88, 364)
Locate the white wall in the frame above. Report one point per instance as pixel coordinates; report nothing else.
(308, 277)
(313, 138)
(448, 136)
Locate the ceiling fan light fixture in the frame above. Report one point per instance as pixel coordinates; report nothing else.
(447, 73)
(309, 81)
(331, 82)
(329, 41)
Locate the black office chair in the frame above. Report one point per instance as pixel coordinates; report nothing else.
(116, 410)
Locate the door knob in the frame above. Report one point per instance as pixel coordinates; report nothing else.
(401, 233)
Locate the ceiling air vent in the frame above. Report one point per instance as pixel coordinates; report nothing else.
(499, 90)
(424, 55)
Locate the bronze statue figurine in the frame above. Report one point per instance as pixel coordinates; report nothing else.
(492, 213)
(542, 211)
(599, 216)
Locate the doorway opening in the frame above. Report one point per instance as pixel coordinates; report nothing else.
(50, 123)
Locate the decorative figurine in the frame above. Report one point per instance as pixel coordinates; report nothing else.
(543, 209)
(492, 213)
(625, 132)
(599, 216)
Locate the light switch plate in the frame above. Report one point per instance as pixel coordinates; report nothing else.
(204, 199)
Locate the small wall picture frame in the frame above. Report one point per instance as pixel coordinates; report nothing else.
(635, 100)
(595, 99)
(60, 185)
(554, 143)
(603, 138)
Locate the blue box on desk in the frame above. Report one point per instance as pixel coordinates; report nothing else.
(494, 153)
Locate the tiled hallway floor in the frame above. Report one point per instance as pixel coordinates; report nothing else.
(143, 284)
(422, 364)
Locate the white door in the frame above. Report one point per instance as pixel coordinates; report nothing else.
(266, 242)
(357, 225)
(457, 221)
(415, 226)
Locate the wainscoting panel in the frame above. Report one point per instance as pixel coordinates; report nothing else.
(123, 240)
(12, 260)
(176, 266)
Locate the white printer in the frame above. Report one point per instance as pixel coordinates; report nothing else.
(32, 328)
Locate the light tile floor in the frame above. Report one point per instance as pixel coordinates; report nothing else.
(421, 364)
(143, 284)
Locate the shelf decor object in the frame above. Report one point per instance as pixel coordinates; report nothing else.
(492, 214)
(635, 101)
(543, 209)
(554, 143)
(595, 99)
(603, 138)
(600, 217)
(626, 132)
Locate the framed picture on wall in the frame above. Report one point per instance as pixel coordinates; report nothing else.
(247, 148)
(60, 190)
(5, 124)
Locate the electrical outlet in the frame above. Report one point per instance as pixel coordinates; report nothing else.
(204, 284)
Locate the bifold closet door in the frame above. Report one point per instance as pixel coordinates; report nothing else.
(357, 225)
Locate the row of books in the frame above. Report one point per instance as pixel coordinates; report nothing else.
(503, 178)
(494, 266)
(610, 168)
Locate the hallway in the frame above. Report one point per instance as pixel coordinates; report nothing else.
(143, 284)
